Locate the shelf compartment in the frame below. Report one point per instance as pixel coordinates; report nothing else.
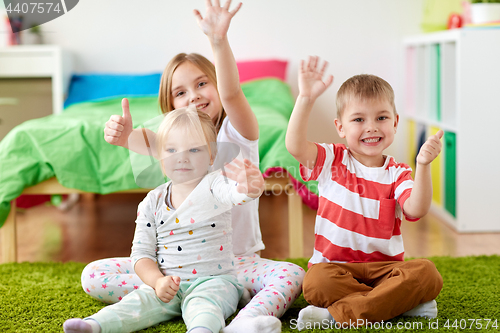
(450, 172)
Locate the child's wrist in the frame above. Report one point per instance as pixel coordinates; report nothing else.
(423, 165)
(217, 40)
(305, 99)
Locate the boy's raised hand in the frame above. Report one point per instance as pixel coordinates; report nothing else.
(118, 128)
(311, 84)
(247, 175)
(216, 22)
(430, 149)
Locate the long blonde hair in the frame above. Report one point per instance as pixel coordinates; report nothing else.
(165, 95)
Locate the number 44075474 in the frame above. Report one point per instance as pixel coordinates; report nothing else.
(471, 324)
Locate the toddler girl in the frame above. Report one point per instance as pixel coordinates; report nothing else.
(182, 248)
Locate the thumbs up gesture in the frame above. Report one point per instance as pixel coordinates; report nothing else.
(118, 128)
(430, 149)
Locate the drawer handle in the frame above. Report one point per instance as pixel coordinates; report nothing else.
(9, 101)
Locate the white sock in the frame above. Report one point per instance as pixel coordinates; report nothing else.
(427, 309)
(312, 314)
(259, 324)
(78, 325)
(199, 330)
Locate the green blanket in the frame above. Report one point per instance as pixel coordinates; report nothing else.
(71, 145)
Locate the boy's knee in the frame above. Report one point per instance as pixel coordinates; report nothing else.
(320, 279)
(429, 277)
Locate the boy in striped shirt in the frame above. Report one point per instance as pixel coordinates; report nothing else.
(357, 274)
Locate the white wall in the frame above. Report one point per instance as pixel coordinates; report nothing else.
(354, 36)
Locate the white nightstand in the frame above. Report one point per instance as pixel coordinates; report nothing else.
(33, 82)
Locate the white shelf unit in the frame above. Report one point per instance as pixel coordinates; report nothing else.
(453, 83)
(33, 83)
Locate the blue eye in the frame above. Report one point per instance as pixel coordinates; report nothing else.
(170, 150)
(358, 120)
(201, 84)
(382, 118)
(194, 150)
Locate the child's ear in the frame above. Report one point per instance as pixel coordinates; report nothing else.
(396, 122)
(340, 128)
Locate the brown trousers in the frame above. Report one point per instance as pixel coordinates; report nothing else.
(372, 291)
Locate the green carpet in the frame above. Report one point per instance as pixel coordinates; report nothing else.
(38, 297)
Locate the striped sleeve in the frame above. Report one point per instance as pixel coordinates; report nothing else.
(323, 163)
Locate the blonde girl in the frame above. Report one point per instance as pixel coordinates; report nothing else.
(190, 79)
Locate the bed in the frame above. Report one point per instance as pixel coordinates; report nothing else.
(66, 153)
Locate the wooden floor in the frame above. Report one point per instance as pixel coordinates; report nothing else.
(103, 226)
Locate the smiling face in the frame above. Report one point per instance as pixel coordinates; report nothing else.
(190, 85)
(185, 156)
(368, 126)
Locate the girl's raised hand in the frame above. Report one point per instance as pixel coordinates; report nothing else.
(216, 22)
(311, 84)
(118, 128)
(247, 175)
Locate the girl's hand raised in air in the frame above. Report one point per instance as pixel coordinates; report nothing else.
(118, 128)
(247, 175)
(216, 22)
(311, 84)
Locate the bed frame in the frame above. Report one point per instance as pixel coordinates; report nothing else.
(8, 233)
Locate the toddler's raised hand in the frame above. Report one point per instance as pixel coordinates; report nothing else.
(247, 175)
(216, 22)
(311, 84)
(166, 288)
(430, 149)
(118, 128)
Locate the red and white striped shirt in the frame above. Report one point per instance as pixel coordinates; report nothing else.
(359, 213)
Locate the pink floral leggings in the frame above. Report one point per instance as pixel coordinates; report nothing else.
(273, 285)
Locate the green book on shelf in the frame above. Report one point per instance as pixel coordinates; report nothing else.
(450, 172)
(438, 81)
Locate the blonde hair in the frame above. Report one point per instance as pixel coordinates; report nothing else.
(165, 95)
(364, 87)
(198, 123)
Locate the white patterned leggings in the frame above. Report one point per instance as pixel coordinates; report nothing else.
(273, 285)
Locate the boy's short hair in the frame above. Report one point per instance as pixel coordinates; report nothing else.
(364, 87)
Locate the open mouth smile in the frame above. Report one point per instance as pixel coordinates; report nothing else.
(371, 140)
(201, 107)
